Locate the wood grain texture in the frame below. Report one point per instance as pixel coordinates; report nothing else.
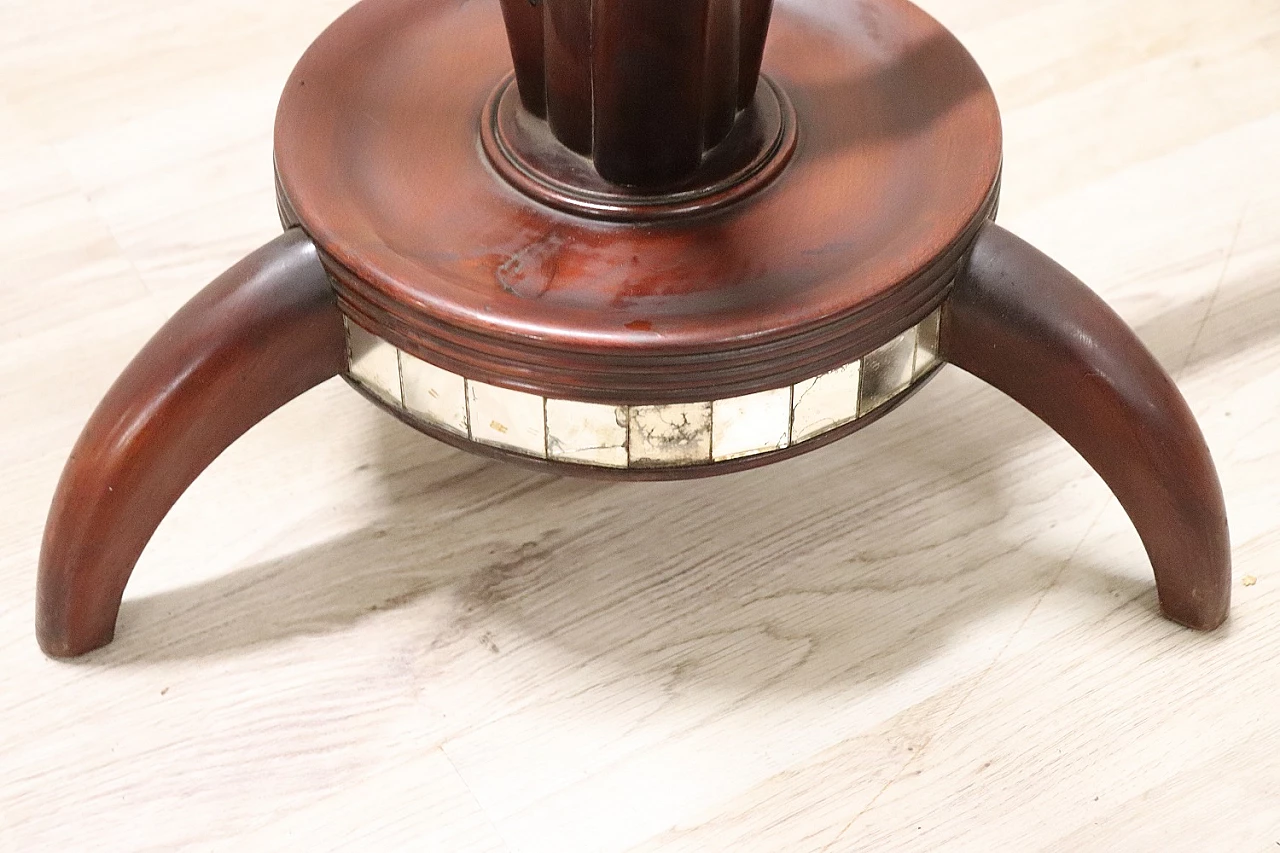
(940, 634)
(262, 333)
(1018, 320)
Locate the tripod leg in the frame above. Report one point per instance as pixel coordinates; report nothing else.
(1025, 325)
(258, 336)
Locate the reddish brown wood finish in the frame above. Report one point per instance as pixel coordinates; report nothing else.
(649, 84)
(753, 17)
(642, 87)
(1027, 326)
(520, 146)
(895, 168)
(261, 334)
(566, 27)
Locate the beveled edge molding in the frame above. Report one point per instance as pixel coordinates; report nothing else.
(638, 436)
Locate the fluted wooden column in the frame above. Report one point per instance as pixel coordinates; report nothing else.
(642, 87)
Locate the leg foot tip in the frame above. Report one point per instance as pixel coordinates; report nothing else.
(60, 646)
(1201, 619)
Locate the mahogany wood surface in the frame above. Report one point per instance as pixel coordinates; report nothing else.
(896, 164)
(1027, 326)
(643, 88)
(525, 35)
(522, 148)
(655, 92)
(258, 336)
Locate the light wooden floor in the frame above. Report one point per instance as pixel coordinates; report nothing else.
(938, 635)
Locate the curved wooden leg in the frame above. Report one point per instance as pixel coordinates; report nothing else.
(261, 334)
(1022, 323)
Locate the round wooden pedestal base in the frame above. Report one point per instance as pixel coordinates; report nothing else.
(795, 303)
(693, 332)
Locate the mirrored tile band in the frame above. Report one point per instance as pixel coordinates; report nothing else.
(642, 436)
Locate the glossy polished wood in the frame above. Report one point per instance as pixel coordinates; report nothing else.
(521, 147)
(1027, 326)
(753, 17)
(525, 35)
(655, 93)
(896, 165)
(643, 88)
(258, 336)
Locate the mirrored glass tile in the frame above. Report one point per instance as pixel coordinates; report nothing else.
(887, 371)
(927, 342)
(434, 394)
(509, 419)
(755, 423)
(656, 435)
(825, 402)
(671, 434)
(587, 433)
(373, 363)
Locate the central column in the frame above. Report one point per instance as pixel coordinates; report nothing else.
(644, 88)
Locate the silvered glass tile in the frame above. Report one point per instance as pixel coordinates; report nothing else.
(671, 434)
(373, 363)
(755, 423)
(587, 433)
(513, 420)
(434, 394)
(927, 342)
(887, 371)
(825, 402)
